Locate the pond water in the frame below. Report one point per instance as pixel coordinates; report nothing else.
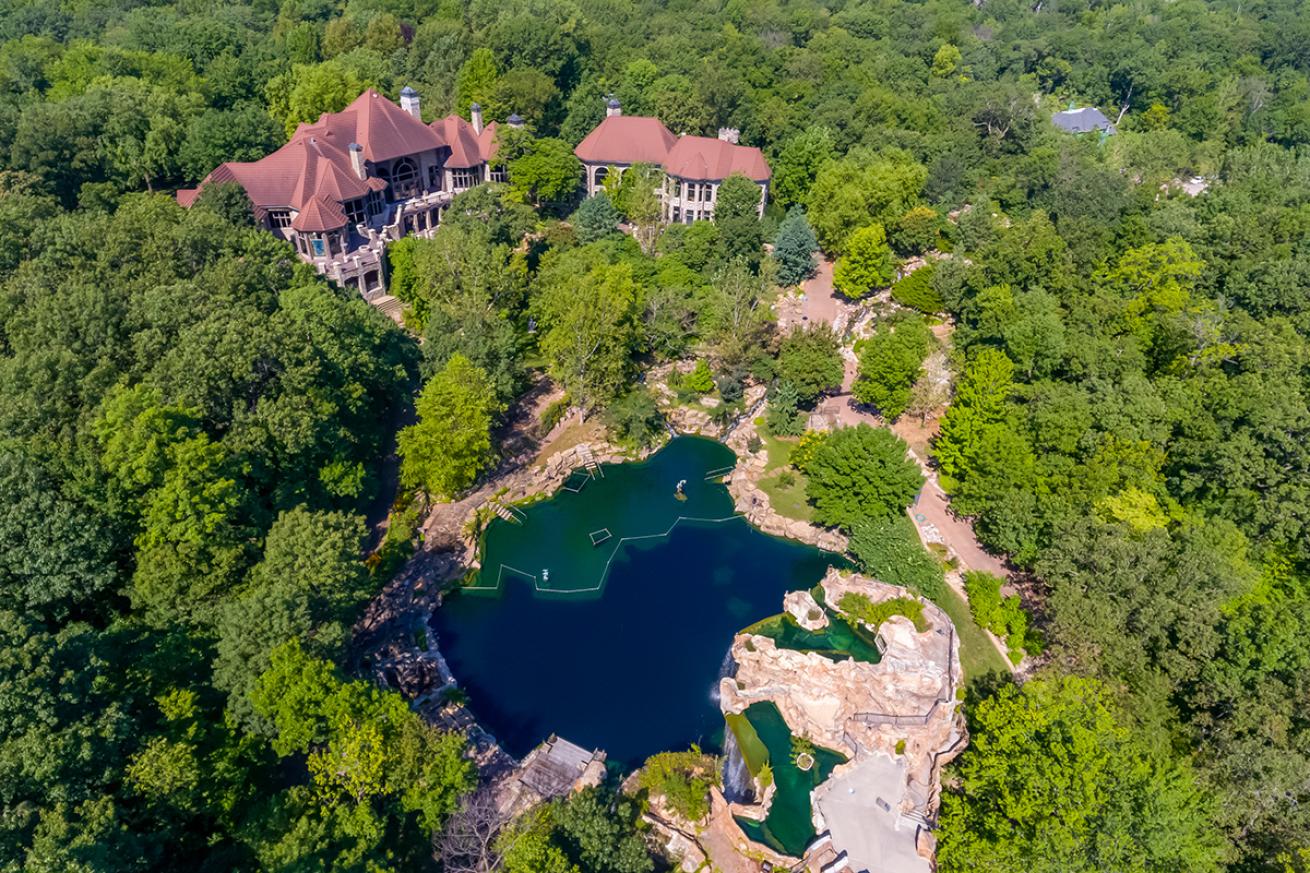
(618, 645)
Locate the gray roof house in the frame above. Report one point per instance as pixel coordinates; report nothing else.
(1086, 120)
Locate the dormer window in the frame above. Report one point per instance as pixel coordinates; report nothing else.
(355, 210)
(279, 218)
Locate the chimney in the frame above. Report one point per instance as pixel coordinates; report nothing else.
(514, 121)
(730, 134)
(612, 107)
(409, 102)
(357, 160)
(475, 115)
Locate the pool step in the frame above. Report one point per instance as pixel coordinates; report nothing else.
(589, 461)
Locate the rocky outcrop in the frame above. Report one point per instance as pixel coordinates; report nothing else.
(802, 606)
(904, 707)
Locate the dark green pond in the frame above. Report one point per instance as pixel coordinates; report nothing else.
(619, 645)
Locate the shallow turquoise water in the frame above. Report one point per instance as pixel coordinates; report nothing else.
(789, 827)
(625, 650)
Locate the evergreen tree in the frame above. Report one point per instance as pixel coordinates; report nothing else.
(783, 417)
(596, 218)
(794, 248)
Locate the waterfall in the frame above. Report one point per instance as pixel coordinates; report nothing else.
(738, 786)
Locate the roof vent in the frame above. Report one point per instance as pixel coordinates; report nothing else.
(612, 107)
(514, 120)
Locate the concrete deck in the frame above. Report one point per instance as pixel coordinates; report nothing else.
(849, 803)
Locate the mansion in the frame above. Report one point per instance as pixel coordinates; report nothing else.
(694, 166)
(349, 183)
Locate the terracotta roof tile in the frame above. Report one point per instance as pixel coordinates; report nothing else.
(627, 139)
(458, 134)
(703, 157)
(318, 215)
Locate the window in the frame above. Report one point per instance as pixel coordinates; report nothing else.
(355, 210)
(279, 218)
(499, 175)
(601, 173)
(434, 178)
(320, 250)
(465, 178)
(404, 178)
(677, 215)
(374, 202)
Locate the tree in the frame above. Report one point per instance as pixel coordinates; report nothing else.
(917, 231)
(309, 90)
(451, 443)
(797, 164)
(1054, 779)
(890, 362)
(736, 215)
(979, 401)
(810, 361)
(794, 248)
(243, 133)
(589, 332)
(548, 172)
(867, 265)
(783, 416)
(305, 588)
(476, 81)
(860, 189)
(636, 193)
(596, 218)
(860, 472)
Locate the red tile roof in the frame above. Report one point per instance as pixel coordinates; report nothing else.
(631, 139)
(458, 134)
(318, 215)
(703, 157)
(627, 139)
(315, 164)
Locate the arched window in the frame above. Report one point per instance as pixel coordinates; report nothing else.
(404, 178)
(601, 173)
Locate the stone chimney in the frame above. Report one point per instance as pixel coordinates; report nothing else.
(409, 102)
(357, 160)
(475, 115)
(514, 121)
(612, 107)
(730, 134)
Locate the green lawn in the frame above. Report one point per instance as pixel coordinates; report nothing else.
(977, 654)
(779, 449)
(788, 501)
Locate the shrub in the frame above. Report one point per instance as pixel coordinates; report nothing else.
(809, 443)
(889, 549)
(700, 380)
(786, 479)
(867, 265)
(634, 419)
(900, 747)
(860, 607)
(683, 779)
(553, 415)
(917, 291)
(754, 444)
